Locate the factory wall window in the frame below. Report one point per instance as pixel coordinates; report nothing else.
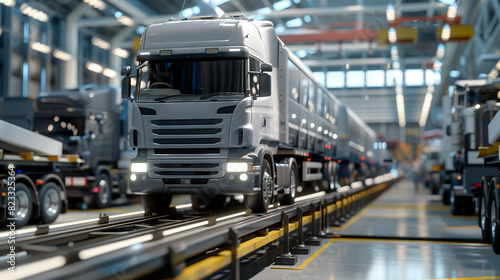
(414, 77)
(320, 77)
(375, 78)
(16, 57)
(335, 79)
(36, 59)
(293, 81)
(432, 78)
(320, 96)
(304, 87)
(394, 78)
(312, 96)
(355, 79)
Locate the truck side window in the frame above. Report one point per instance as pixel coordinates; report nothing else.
(293, 81)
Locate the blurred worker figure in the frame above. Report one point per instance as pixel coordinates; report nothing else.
(416, 177)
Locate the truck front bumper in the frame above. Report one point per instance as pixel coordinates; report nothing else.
(230, 183)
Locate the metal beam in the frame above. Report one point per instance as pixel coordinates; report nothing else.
(358, 61)
(350, 10)
(364, 34)
(70, 74)
(132, 8)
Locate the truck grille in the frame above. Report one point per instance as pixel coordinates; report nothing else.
(186, 132)
(188, 151)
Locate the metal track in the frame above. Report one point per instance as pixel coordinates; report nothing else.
(137, 247)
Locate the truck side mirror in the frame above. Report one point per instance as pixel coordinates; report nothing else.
(126, 87)
(264, 84)
(265, 67)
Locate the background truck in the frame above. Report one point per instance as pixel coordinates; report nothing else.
(90, 121)
(221, 107)
(470, 98)
(488, 194)
(31, 185)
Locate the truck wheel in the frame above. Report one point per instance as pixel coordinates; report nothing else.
(456, 203)
(50, 203)
(155, 204)
(259, 203)
(203, 203)
(102, 199)
(483, 219)
(23, 206)
(469, 206)
(289, 199)
(446, 197)
(495, 228)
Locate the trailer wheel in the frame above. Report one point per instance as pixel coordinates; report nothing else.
(102, 199)
(203, 203)
(455, 206)
(458, 204)
(50, 203)
(259, 203)
(483, 219)
(288, 199)
(495, 228)
(446, 197)
(23, 206)
(155, 204)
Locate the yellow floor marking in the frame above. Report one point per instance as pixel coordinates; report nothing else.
(408, 241)
(472, 278)
(462, 227)
(459, 216)
(309, 259)
(410, 207)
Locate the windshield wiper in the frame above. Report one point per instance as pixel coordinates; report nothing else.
(218, 93)
(167, 97)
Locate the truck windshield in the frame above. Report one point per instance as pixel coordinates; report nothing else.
(188, 80)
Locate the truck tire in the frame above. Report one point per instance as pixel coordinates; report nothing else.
(289, 198)
(155, 204)
(483, 219)
(50, 203)
(495, 225)
(23, 206)
(203, 203)
(456, 206)
(259, 203)
(102, 199)
(446, 197)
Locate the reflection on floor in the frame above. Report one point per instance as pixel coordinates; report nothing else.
(402, 235)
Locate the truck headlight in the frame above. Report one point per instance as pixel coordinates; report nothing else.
(138, 167)
(238, 167)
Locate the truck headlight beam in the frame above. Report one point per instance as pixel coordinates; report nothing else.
(237, 167)
(139, 167)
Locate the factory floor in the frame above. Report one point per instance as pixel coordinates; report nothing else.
(404, 234)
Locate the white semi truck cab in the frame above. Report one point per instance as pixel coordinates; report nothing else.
(221, 107)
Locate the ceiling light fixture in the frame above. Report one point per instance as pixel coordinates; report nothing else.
(393, 36)
(425, 109)
(452, 12)
(446, 32)
(390, 13)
